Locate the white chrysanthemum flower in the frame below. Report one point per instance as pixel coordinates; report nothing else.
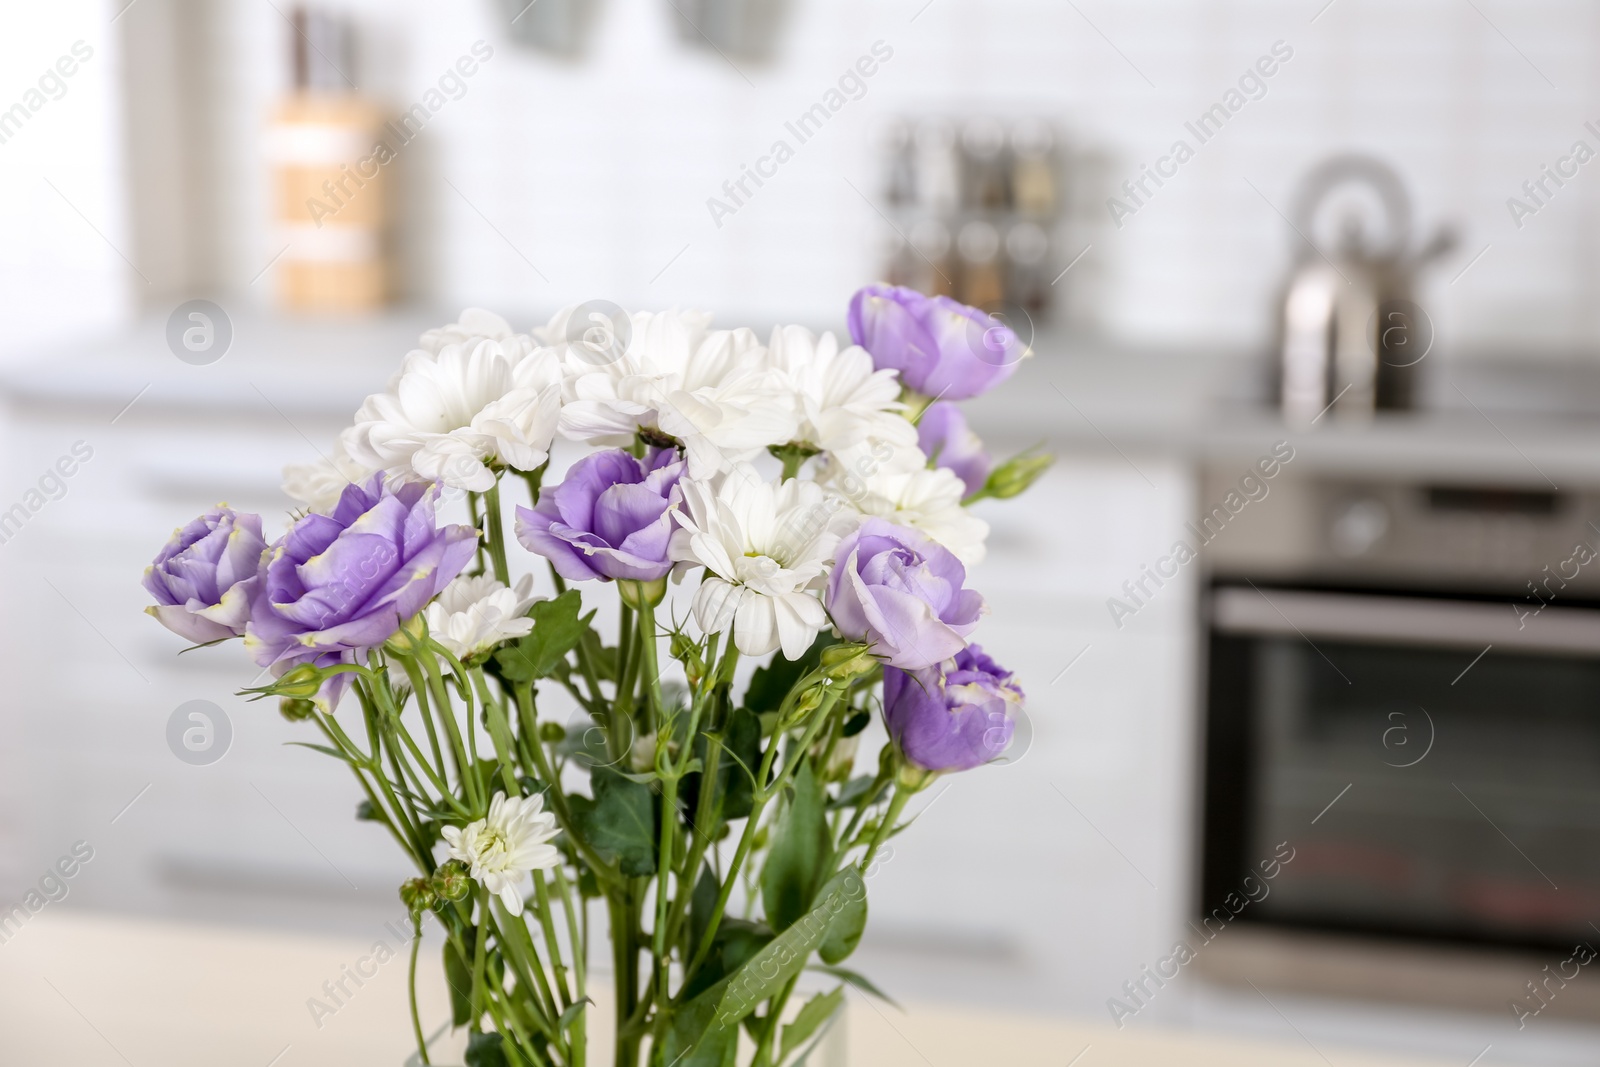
(318, 485)
(840, 399)
(767, 548)
(477, 612)
(707, 388)
(476, 324)
(445, 417)
(898, 485)
(500, 850)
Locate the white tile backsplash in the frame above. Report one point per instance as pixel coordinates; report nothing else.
(584, 179)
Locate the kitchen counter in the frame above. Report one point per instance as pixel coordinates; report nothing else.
(1535, 422)
(93, 990)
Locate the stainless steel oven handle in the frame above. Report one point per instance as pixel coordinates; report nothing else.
(1406, 620)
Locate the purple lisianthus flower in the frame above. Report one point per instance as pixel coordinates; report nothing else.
(338, 584)
(204, 578)
(901, 592)
(940, 347)
(610, 518)
(953, 717)
(943, 435)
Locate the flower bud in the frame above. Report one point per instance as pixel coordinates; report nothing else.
(1016, 474)
(418, 896)
(552, 733)
(640, 595)
(409, 639)
(296, 709)
(843, 662)
(687, 652)
(303, 682)
(807, 702)
(451, 881)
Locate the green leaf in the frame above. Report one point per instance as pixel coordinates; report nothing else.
(772, 682)
(856, 723)
(325, 750)
(570, 1016)
(701, 904)
(486, 1050)
(557, 629)
(458, 976)
(844, 932)
(735, 941)
(801, 853)
(693, 1040)
(860, 981)
(602, 657)
(765, 973)
(818, 1010)
(619, 822)
(585, 744)
(854, 792)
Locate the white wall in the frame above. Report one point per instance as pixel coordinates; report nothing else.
(583, 180)
(63, 223)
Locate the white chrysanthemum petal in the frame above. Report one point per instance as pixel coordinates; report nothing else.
(839, 399)
(900, 487)
(319, 485)
(767, 549)
(500, 849)
(474, 614)
(451, 412)
(709, 389)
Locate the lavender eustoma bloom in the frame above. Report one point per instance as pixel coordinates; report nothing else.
(943, 435)
(953, 717)
(338, 584)
(901, 592)
(204, 578)
(611, 518)
(940, 347)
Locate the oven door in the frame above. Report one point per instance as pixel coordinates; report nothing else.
(1433, 763)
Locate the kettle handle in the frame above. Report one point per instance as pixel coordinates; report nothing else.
(1356, 167)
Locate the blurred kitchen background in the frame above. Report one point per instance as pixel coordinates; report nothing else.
(1378, 256)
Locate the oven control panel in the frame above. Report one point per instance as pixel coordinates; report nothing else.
(1516, 539)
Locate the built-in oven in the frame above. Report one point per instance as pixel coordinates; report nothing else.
(1403, 712)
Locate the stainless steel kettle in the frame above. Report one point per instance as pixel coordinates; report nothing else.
(1351, 337)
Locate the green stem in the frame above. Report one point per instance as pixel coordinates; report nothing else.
(495, 528)
(479, 955)
(650, 665)
(477, 524)
(605, 872)
(897, 804)
(416, 1016)
(499, 733)
(867, 802)
(419, 689)
(535, 480)
(523, 957)
(764, 792)
(780, 1000)
(465, 770)
(541, 894)
(625, 961)
(413, 848)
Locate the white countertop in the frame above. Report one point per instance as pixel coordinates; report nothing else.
(95, 990)
(1535, 423)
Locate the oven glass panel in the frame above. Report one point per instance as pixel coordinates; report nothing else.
(1423, 793)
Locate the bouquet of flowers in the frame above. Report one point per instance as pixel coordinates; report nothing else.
(810, 497)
